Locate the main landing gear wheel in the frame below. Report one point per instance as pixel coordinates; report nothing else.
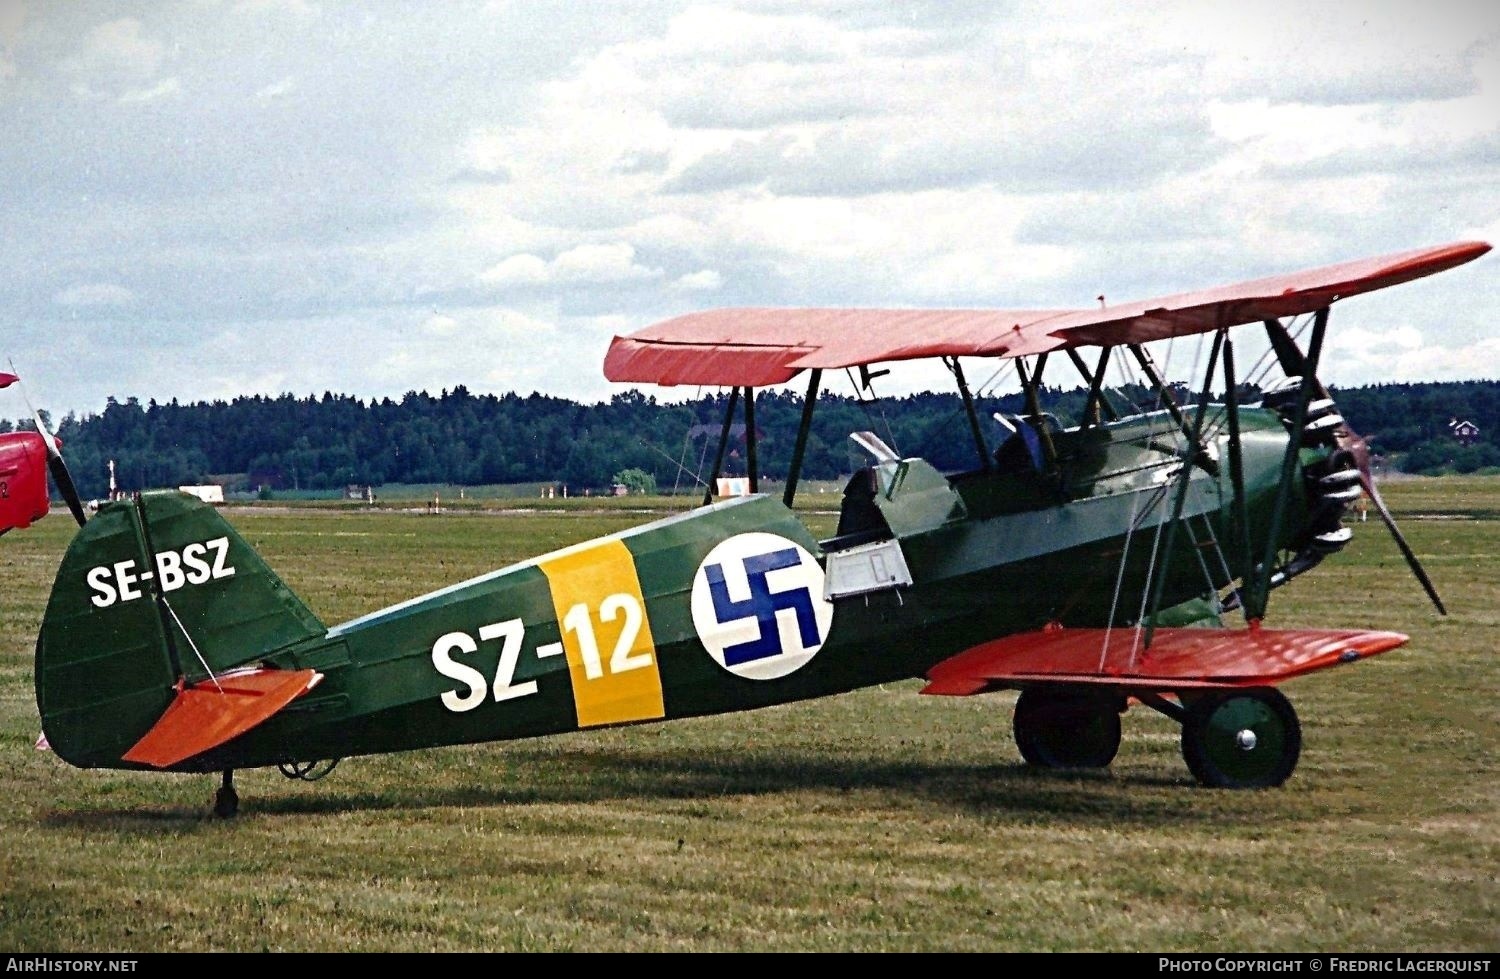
(1066, 728)
(226, 800)
(1241, 739)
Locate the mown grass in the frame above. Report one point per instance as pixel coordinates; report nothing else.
(875, 821)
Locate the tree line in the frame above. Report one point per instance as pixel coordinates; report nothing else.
(460, 438)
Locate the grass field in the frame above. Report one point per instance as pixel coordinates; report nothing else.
(875, 821)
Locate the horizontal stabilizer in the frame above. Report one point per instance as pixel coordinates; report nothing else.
(1176, 659)
(210, 713)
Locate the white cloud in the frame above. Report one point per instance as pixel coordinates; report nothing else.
(610, 165)
(95, 294)
(584, 264)
(439, 325)
(297, 8)
(524, 353)
(734, 37)
(518, 270)
(117, 46)
(484, 156)
(87, 93)
(601, 263)
(705, 280)
(643, 161)
(162, 89)
(1339, 53)
(12, 17)
(276, 90)
(1372, 356)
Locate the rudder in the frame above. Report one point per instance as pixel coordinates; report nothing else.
(121, 629)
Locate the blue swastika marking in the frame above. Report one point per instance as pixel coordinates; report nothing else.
(763, 604)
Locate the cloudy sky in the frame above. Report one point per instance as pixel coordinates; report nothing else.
(205, 199)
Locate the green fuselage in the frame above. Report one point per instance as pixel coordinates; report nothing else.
(723, 608)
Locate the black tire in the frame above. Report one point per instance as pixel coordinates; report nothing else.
(226, 802)
(1241, 739)
(1056, 728)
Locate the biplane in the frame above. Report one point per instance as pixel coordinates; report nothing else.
(1126, 558)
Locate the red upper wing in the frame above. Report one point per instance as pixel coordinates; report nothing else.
(757, 347)
(768, 346)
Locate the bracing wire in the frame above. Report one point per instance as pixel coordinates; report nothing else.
(1218, 550)
(1208, 577)
(194, 646)
(1184, 472)
(1258, 370)
(1135, 642)
(1214, 421)
(1137, 516)
(982, 391)
(1109, 623)
(864, 406)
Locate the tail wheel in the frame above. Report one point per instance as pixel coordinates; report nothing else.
(1067, 729)
(227, 800)
(1243, 739)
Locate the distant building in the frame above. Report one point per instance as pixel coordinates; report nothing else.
(733, 486)
(211, 493)
(1466, 432)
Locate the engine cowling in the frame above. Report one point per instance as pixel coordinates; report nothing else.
(23, 479)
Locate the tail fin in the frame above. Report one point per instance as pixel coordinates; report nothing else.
(122, 628)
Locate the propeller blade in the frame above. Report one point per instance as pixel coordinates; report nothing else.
(64, 481)
(1293, 363)
(59, 470)
(1360, 451)
(1406, 551)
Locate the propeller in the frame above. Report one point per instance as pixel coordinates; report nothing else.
(1293, 363)
(55, 464)
(59, 470)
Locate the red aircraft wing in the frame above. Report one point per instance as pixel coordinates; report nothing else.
(758, 346)
(1177, 658)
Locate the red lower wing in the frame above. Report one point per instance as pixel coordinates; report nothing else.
(1176, 659)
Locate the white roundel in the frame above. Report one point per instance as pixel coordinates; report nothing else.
(758, 605)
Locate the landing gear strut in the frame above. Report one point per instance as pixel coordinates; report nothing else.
(226, 800)
(1067, 728)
